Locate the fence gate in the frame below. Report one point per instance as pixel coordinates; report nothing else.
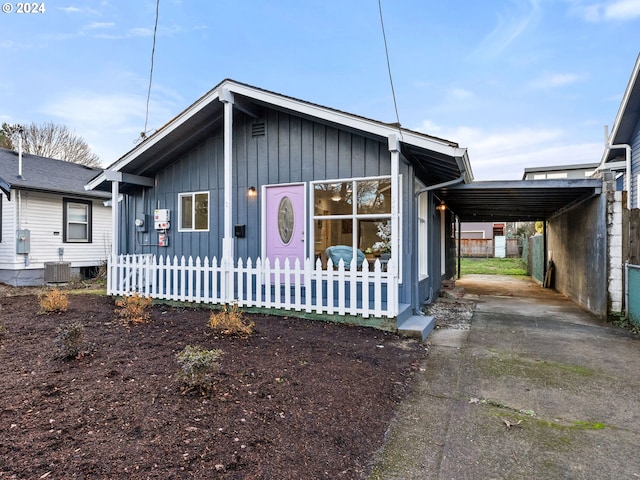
(633, 293)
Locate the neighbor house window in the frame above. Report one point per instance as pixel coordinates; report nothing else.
(354, 213)
(76, 219)
(194, 212)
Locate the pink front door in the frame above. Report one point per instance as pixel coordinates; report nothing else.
(284, 223)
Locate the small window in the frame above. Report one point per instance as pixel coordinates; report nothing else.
(194, 212)
(76, 221)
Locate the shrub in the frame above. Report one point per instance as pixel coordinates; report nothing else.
(71, 342)
(230, 321)
(54, 301)
(133, 309)
(197, 367)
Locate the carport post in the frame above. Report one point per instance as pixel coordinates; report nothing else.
(544, 248)
(459, 245)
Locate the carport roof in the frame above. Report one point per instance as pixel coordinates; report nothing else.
(516, 200)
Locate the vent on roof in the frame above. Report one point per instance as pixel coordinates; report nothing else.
(258, 129)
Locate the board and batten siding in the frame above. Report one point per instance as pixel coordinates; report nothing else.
(42, 214)
(292, 149)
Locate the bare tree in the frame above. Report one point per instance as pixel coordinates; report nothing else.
(50, 140)
(6, 132)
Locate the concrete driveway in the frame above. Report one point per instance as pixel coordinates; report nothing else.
(533, 387)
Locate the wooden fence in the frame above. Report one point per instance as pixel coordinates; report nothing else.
(307, 287)
(483, 247)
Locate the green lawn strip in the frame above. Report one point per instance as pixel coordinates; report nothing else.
(493, 266)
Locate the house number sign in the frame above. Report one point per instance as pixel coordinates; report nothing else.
(285, 220)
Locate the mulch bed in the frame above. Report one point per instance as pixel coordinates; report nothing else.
(296, 399)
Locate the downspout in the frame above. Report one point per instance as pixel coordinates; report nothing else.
(415, 303)
(226, 97)
(627, 174)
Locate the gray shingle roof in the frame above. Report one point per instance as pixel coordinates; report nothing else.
(46, 175)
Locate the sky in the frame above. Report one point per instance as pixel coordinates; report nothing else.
(519, 83)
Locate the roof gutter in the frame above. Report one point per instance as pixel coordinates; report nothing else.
(455, 181)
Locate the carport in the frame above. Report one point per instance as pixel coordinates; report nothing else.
(574, 216)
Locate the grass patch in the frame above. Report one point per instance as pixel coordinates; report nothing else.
(493, 266)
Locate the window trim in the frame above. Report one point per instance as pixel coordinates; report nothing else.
(354, 216)
(424, 244)
(193, 218)
(65, 220)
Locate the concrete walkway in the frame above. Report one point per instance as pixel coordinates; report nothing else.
(534, 388)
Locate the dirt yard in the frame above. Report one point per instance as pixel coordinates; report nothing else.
(296, 399)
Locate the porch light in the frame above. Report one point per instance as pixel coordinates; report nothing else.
(252, 192)
(442, 207)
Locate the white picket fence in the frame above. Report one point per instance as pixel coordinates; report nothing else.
(308, 288)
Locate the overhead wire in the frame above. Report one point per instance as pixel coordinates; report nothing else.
(143, 134)
(386, 50)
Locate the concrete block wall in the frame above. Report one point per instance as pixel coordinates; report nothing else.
(615, 263)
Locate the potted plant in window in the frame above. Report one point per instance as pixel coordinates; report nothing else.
(383, 246)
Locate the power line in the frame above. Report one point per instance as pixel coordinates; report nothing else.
(386, 50)
(153, 51)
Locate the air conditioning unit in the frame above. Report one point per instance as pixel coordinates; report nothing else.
(57, 272)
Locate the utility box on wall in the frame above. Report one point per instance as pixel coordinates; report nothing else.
(23, 241)
(161, 219)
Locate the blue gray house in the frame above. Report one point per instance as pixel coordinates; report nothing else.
(622, 151)
(254, 197)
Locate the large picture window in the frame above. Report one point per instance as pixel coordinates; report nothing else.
(194, 212)
(76, 220)
(355, 214)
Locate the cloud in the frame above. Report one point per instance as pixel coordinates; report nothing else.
(555, 80)
(504, 154)
(460, 94)
(623, 10)
(109, 123)
(619, 10)
(99, 25)
(74, 10)
(510, 26)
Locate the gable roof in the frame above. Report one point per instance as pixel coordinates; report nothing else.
(627, 117)
(45, 175)
(435, 158)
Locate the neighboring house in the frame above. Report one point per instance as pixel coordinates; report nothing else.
(482, 230)
(245, 181)
(577, 171)
(50, 227)
(483, 239)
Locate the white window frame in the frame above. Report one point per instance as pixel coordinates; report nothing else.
(193, 212)
(355, 216)
(87, 205)
(423, 236)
